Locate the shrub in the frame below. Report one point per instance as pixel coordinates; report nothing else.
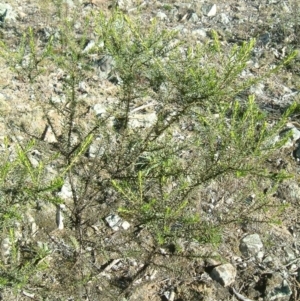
(151, 172)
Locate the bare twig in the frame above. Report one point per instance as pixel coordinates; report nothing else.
(239, 296)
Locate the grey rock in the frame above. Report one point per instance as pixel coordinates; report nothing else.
(182, 5)
(298, 275)
(296, 152)
(115, 222)
(264, 39)
(173, 14)
(294, 136)
(225, 274)
(251, 245)
(289, 191)
(49, 32)
(7, 13)
(194, 18)
(3, 16)
(224, 19)
(277, 289)
(106, 65)
(290, 255)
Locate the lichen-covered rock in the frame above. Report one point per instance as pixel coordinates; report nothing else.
(277, 289)
(251, 245)
(225, 274)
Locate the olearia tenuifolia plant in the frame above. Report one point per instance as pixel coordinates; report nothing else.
(151, 175)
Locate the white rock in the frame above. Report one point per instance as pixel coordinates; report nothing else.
(100, 109)
(32, 223)
(170, 295)
(96, 148)
(213, 11)
(199, 32)
(225, 274)
(125, 225)
(142, 120)
(89, 46)
(224, 18)
(58, 99)
(237, 259)
(5, 247)
(18, 231)
(83, 87)
(295, 134)
(161, 16)
(251, 245)
(66, 191)
(21, 14)
(113, 221)
(293, 131)
(59, 216)
(285, 8)
(70, 3)
(260, 255)
(29, 295)
(268, 259)
(123, 4)
(258, 89)
(33, 161)
(293, 268)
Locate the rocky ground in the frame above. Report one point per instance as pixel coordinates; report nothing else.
(255, 261)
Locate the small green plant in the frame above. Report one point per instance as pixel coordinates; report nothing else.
(167, 7)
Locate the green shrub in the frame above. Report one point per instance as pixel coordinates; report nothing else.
(149, 175)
